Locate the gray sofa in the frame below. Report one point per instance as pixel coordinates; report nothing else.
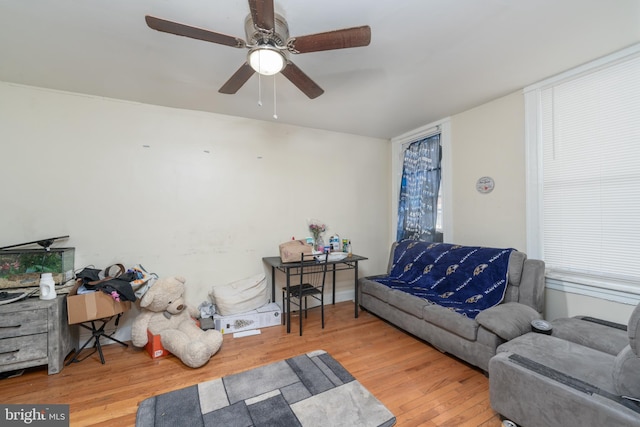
(472, 340)
(586, 373)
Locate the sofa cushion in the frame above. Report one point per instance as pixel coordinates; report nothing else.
(508, 320)
(407, 303)
(375, 289)
(591, 334)
(633, 330)
(516, 263)
(626, 373)
(451, 321)
(488, 338)
(583, 363)
(534, 397)
(515, 272)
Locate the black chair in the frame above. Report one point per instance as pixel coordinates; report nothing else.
(312, 273)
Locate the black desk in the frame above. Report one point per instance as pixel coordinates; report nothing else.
(293, 268)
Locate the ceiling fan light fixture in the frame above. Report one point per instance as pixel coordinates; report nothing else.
(266, 60)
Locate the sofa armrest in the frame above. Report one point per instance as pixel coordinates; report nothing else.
(508, 320)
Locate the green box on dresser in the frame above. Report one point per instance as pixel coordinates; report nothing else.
(21, 268)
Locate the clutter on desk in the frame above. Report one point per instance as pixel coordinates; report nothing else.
(337, 249)
(292, 250)
(335, 243)
(316, 228)
(330, 256)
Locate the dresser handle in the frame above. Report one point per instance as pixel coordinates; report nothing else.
(10, 326)
(9, 352)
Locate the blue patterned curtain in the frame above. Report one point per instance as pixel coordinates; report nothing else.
(418, 204)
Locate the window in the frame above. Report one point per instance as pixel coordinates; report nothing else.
(399, 144)
(420, 191)
(583, 137)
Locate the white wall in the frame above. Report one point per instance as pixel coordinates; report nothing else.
(207, 196)
(565, 304)
(489, 140)
(182, 192)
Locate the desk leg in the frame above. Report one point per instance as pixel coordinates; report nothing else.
(273, 284)
(289, 302)
(333, 288)
(355, 287)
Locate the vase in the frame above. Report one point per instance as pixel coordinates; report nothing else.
(319, 243)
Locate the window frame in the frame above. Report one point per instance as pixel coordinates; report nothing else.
(398, 145)
(618, 290)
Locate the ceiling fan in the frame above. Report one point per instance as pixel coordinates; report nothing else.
(269, 44)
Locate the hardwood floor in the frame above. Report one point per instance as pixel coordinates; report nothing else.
(420, 385)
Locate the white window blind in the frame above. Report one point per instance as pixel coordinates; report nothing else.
(590, 133)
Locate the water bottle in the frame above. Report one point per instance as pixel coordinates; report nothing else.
(47, 286)
(334, 243)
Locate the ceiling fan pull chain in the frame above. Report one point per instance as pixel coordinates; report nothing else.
(259, 85)
(275, 111)
(259, 90)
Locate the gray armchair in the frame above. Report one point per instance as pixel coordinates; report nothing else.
(587, 373)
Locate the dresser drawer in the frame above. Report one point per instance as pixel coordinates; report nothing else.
(22, 349)
(20, 323)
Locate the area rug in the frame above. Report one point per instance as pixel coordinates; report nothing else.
(312, 389)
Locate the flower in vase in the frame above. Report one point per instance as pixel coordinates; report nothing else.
(317, 228)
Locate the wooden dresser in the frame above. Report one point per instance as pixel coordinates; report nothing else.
(35, 332)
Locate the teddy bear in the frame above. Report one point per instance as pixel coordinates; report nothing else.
(164, 312)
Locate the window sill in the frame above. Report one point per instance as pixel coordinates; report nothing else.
(622, 291)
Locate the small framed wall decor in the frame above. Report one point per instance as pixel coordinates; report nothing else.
(485, 185)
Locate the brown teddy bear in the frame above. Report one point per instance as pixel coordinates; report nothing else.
(164, 313)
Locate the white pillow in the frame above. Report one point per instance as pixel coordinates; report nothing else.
(240, 296)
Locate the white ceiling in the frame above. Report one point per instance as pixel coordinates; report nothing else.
(428, 59)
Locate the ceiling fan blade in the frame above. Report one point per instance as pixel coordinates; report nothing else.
(302, 81)
(338, 39)
(192, 32)
(262, 14)
(238, 79)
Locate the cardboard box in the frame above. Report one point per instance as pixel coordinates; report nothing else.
(93, 306)
(265, 316)
(154, 346)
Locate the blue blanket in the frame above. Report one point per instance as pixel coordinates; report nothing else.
(465, 279)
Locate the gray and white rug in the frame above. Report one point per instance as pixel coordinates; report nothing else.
(312, 389)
